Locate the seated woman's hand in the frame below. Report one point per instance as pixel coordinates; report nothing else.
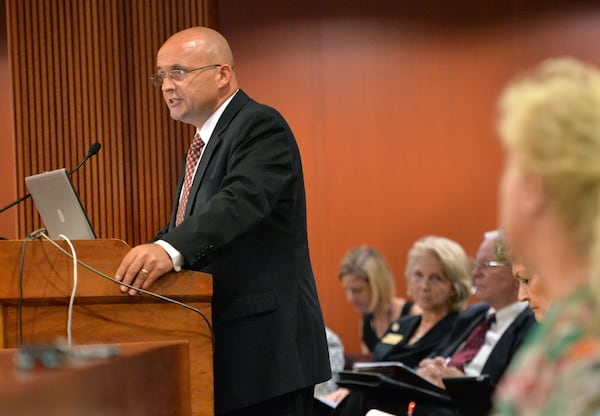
(338, 395)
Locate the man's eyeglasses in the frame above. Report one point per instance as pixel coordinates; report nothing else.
(176, 74)
(490, 263)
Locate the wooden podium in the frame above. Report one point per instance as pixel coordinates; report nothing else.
(101, 313)
(142, 379)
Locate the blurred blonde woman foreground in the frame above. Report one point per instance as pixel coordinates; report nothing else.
(550, 213)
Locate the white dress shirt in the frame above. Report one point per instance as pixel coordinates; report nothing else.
(504, 318)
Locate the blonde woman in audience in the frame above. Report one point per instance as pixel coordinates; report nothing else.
(550, 213)
(369, 286)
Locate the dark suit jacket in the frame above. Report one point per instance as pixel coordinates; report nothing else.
(246, 225)
(504, 349)
(411, 355)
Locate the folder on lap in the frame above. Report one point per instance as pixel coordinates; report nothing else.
(472, 396)
(395, 378)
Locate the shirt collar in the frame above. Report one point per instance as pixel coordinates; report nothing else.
(209, 125)
(509, 312)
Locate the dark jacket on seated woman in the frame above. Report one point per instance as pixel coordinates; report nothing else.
(369, 337)
(393, 345)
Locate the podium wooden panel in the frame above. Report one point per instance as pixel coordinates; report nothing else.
(145, 379)
(101, 313)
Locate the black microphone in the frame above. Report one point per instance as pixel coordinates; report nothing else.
(94, 148)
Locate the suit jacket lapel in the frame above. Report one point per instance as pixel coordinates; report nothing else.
(467, 331)
(213, 143)
(504, 348)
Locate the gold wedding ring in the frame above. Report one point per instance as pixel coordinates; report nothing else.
(145, 271)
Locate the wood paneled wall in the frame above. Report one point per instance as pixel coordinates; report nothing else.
(393, 104)
(8, 187)
(80, 75)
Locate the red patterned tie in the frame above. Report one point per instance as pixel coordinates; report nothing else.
(472, 345)
(193, 155)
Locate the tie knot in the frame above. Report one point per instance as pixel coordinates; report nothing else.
(197, 143)
(472, 344)
(486, 324)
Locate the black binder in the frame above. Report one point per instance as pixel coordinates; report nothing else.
(396, 379)
(472, 396)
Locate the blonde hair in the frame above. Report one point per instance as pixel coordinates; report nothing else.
(455, 265)
(550, 119)
(367, 263)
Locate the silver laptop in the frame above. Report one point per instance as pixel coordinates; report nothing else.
(59, 206)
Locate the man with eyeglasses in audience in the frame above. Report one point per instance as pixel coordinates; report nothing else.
(497, 289)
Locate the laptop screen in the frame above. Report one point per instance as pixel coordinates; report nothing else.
(59, 206)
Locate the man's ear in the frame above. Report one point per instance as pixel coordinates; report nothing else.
(225, 71)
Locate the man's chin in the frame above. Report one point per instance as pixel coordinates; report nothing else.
(175, 115)
(479, 294)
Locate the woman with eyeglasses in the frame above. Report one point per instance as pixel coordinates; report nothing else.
(550, 213)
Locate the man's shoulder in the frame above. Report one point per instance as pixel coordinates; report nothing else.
(472, 311)
(242, 101)
(249, 105)
(243, 114)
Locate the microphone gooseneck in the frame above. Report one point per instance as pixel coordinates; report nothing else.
(94, 149)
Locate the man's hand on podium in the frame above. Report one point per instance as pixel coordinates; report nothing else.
(142, 266)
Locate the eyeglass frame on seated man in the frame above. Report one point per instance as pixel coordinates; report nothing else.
(176, 74)
(490, 263)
